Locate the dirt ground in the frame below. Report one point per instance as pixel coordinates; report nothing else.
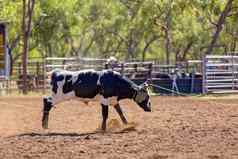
(178, 128)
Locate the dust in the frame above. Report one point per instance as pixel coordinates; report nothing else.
(115, 125)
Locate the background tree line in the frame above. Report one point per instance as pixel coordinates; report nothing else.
(167, 30)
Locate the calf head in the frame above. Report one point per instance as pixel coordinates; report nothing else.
(142, 97)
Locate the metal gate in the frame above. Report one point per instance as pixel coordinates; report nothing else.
(220, 74)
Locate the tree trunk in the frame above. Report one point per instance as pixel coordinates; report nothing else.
(24, 53)
(186, 50)
(28, 7)
(233, 44)
(130, 49)
(219, 26)
(167, 35)
(147, 45)
(49, 49)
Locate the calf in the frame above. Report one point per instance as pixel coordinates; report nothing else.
(89, 83)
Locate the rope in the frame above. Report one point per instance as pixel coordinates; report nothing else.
(212, 102)
(170, 90)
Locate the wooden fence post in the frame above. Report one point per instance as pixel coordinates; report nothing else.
(204, 85)
(150, 71)
(122, 68)
(136, 67)
(44, 75)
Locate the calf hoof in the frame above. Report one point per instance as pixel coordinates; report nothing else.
(103, 128)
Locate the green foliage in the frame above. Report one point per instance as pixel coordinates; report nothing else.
(123, 28)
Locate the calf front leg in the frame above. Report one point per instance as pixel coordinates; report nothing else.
(47, 105)
(119, 111)
(104, 116)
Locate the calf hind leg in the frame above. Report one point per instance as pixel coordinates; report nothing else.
(104, 116)
(119, 111)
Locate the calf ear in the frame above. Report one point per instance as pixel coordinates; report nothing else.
(146, 86)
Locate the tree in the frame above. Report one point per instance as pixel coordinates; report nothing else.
(168, 31)
(28, 8)
(219, 25)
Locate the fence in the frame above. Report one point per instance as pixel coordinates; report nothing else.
(137, 71)
(35, 78)
(220, 74)
(73, 63)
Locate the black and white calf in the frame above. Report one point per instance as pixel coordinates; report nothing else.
(89, 83)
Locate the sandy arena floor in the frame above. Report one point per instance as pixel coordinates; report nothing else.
(178, 128)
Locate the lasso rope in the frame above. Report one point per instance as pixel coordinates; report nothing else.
(172, 91)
